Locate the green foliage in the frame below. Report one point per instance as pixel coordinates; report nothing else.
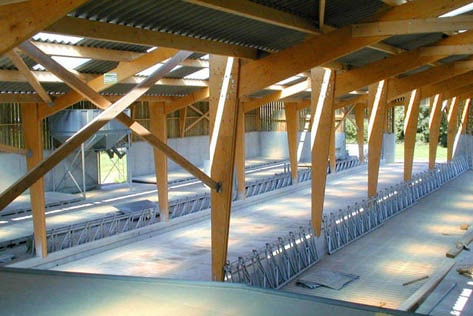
(423, 134)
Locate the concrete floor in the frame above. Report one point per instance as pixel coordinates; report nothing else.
(101, 202)
(184, 252)
(409, 246)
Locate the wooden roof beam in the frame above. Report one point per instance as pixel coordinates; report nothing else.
(400, 86)
(394, 65)
(261, 73)
(19, 21)
(258, 12)
(413, 26)
(127, 34)
(28, 75)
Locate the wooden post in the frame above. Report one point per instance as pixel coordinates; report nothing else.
(240, 155)
(292, 126)
(452, 127)
(34, 145)
(434, 128)
(360, 130)
(410, 131)
(323, 81)
(158, 126)
(377, 103)
(332, 148)
(222, 153)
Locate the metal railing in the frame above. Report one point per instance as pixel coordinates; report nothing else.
(279, 262)
(349, 224)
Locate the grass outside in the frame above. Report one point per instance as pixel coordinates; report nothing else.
(421, 152)
(112, 170)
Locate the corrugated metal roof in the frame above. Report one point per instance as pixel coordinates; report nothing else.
(415, 71)
(24, 87)
(87, 42)
(362, 57)
(413, 41)
(339, 13)
(97, 66)
(186, 19)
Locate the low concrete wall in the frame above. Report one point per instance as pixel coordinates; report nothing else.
(389, 147)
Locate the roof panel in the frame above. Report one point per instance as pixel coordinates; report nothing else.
(190, 20)
(413, 41)
(363, 57)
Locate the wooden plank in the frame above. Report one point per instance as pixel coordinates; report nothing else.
(222, 155)
(133, 35)
(158, 126)
(434, 128)
(32, 80)
(452, 126)
(416, 299)
(377, 104)
(413, 26)
(292, 127)
(20, 21)
(360, 130)
(323, 81)
(410, 131)
(263, 72)
(91, 95)
(32, 134)
(466, 239)
(124, 70)
(255, 11)
(464, 49)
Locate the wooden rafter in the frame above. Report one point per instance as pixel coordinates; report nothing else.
(30, 78)
(127, 34)
(187, 100)
(261, 73)
(413, 26)
(123, 70)
(20, 21)
(91, 95)
(385, 68)
(254, 11)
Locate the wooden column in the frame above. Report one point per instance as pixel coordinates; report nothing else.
(434, 128)
(34, 145)
(323, 82)
(452, 127)
(410, 131)
(377, 102)
(292, 126)
(240, 155)
(158, 126)
(360, 130)
(222, 153)
(332, 148)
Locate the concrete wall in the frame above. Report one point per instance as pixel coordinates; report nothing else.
(389, 147)
(274, 145)
(13, 166)
(195, 149)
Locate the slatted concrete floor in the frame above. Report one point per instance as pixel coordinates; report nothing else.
(408, 246)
